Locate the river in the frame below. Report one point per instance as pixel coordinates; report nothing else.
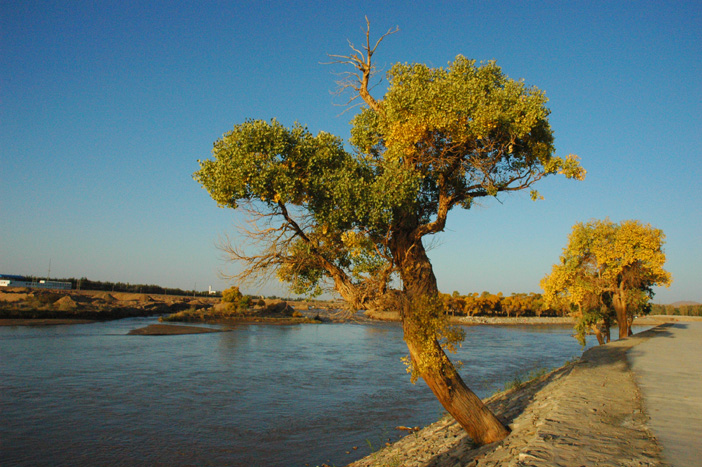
(297, 395)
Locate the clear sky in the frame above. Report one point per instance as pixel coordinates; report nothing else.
(105, 107)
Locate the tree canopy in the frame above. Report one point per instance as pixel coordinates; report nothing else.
(606, 273)
(354, 217)
(441, 138)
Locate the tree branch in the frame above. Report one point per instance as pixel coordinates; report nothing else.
(362, 61)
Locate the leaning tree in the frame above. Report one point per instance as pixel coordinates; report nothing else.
(606, 274)
(439, 139)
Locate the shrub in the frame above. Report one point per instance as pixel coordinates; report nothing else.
(244, 302)
(232, 295)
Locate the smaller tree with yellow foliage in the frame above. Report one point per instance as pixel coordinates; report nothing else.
(606, 273)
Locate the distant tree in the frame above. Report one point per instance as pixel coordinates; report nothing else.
(232, 295)
(440, 138)
(688, 309)
(606, 274)
(517, 305)
(236, 299)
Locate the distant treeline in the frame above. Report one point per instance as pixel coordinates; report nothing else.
(679, 310)
(521, 304)
(86, 284)
(489, 304)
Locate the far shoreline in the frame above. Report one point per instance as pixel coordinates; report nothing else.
(43, 321)
(372, 316)
(649, 320)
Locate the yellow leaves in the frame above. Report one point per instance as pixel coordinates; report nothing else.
(405, 135)
(572, 169)
(276, 197)
(350, 239)
(603, 257)
(354, 242)
(535, 195)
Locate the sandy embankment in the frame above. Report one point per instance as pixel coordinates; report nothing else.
(31, 307)
(171, 330)
(650, 320)
(43, 322)
(471, 320)
(583, 414)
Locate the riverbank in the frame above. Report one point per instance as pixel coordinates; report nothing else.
(171, 330)
(475, 320)
(24, 306)
(586, 413)
(43, 322)
(649, 320)
(34, 307)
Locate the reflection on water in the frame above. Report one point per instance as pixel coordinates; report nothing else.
(259, 395)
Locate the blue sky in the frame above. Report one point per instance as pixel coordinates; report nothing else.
(105, 108)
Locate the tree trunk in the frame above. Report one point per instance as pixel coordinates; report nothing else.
(631, 323)
(453, 394)
(598, 334)
(440, 374)
(619, 303)
(606, 329)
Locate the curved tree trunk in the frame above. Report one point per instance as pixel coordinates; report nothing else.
(453, 394)
(440, 375)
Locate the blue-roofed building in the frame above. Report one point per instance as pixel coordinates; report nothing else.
(8, 280)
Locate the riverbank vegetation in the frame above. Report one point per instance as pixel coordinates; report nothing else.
(499, 305)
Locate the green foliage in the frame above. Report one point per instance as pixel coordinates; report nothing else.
(679, 310)
(235, 299)
(441, 137)
(245, 302)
